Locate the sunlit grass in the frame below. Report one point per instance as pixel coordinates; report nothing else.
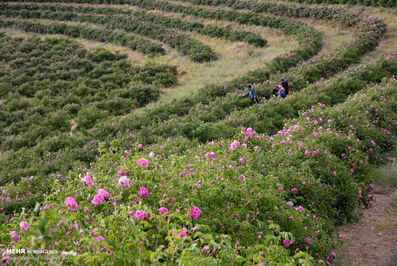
(386, 175)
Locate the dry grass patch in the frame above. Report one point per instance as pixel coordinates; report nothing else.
(235, 59)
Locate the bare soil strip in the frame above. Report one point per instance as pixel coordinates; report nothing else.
(372, 241)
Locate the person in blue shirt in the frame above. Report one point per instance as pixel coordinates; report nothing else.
(252, 94)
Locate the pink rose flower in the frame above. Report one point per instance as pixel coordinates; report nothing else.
(24, 226)
(163, 210)
(124, 182)
(103, 193)
(71, 203)
(87, 180)
(143, 162)
(143, 192)
(234, 145)
(194, 213)
(99, 238)
(97, 199)
(121, 172)
(93, 232)
(139, 215)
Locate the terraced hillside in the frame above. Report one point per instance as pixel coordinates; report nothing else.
(125, 139)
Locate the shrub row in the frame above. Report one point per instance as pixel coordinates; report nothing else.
(381, 3)
(218, 107)
(80, 31)
(268, 116)
(210, 30)
(76, 151)
(222, 117)
(48, 83)
(250, 18)
(280, 9)
(164, 112)
(257, 199)
(161, 112)
(196, 51)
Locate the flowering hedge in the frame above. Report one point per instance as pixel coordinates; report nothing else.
(380, 3)
(81, 148)
(251, 199)
(368, 31)
(146, 128)
(216, 103)
(169, 22)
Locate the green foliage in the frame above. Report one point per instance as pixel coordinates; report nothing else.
(306, 173)
(101, 35)
(88, 116)
(54, 86)
(294, 186)
(210, 30)
(183, 43)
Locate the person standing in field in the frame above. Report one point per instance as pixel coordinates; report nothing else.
(275, 91)
(281, 91)
(284, 84)
(251, 93)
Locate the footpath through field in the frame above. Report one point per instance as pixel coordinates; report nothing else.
(372, 241)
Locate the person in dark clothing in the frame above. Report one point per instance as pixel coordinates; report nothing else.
(252, 94)
(284, 84)
(275, 91)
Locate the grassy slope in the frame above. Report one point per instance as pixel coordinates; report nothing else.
(245, 58)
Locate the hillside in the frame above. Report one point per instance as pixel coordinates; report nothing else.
(125, 139)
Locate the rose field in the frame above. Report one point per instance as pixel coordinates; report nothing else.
(125, 139)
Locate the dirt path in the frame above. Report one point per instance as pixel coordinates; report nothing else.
(372, 241)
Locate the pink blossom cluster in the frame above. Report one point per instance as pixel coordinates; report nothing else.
(249, 133)
(194, 213)
(100, 197)
(234, 145)
(71, 203)
(87, 180)
(139, 215)
(124, 182)
(121, 172)
(181, 235)
(209, 155)
(143, 192)
(143, 162)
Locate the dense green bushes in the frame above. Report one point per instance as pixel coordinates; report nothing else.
(194, 49)
(280, 9)
(45, 84)
(254, 199)
(222, 117)
(381, 3)
(257, 199)
(213, 31)
(145, 126)
(79, 31)
(81, 148)
(215, 103)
